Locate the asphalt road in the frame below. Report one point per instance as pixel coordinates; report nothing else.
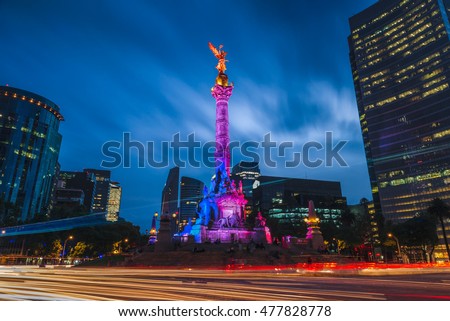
(21, 283)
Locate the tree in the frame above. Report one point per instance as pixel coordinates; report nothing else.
(56, 248)
(347, 217)
(419, 231)
(97, 240)
(329, 230)
(79, 249)
(441, 211)
(354, 231)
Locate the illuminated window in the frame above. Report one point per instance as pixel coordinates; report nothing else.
(435, 90)
(427, 42)
(386, 101)
(432, 74)
(392, 53)
(400, 72)
(434, 81)
(442, 134)
(408, 93)
(367, 107)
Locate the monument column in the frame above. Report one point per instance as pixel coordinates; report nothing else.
(222, 94)
(223, 197)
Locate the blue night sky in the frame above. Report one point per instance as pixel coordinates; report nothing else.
(144, 67)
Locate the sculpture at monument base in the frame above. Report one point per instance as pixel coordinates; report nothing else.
(260, 221)
(221, 214)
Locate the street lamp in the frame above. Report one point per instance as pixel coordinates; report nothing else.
(174, 223)
(398, 243)
(64, 247)
(121, 246)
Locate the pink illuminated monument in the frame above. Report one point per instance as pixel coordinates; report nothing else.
(221, 211)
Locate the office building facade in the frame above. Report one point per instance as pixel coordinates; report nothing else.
(400, 57)
(102, 189)
(114, 200)
(29, 148)
(284, 202)
(191, 192)
(100, 194)
(169, 197)
(69, 197)
(83, 181)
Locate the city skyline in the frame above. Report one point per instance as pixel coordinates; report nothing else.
(146, 69)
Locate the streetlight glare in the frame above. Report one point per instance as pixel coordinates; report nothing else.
(399, 251)
(70, 237)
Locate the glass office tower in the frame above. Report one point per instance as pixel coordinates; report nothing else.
(115, 197)
(284, 201)
(102, 189)
(169, 198)
(29, 149)
(400, 57)
(191, 192)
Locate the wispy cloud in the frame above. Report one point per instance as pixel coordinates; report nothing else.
(144, 67)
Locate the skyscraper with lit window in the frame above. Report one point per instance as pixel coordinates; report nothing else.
(84, 181)
(169, 197)
(284, 202)
(102, 189)
(29, 150)
(191, 192)
(400, 57)
(114, 200)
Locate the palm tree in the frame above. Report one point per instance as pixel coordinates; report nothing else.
(440, 210)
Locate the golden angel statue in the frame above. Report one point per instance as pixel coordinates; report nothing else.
(220, 54)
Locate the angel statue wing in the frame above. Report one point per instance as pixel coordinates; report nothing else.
(220, 54)
(214, 50)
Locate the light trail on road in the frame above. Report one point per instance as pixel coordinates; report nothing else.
(127, 284)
